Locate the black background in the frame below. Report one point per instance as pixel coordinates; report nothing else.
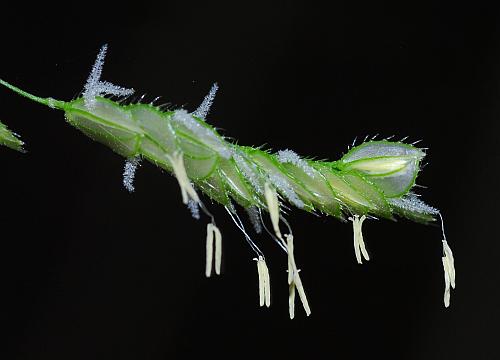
(90, 271)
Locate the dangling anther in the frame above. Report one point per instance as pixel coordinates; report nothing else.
(291, 259)
(264, 282)
(291, 300)
(273, 207)
(212, 231)
(187, 190)
(359, 244)
(295, 282)
(448, 266)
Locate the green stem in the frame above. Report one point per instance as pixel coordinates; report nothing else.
(53, 103)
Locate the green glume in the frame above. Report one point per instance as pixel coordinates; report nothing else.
(9, 139)
(372, 180)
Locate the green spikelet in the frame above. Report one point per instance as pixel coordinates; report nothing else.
(372, 180)
(10, 139)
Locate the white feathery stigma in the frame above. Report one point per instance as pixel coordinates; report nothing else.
(194, 207)
(253, 214)
(95, 87)
(205, 106)
(129, 173)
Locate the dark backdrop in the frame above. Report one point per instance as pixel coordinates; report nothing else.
(90, 271)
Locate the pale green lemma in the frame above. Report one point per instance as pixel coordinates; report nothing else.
(372, 180)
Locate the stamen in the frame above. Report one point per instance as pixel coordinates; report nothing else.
(264, 282)
(209, 250)
(302, 293)
(291, 259)
(295, 282)
(448, 266)
(359, 244)
(449, 272)
(291, 300)
(273, 207)
(211, 231)
(218, 249)
(187, 190)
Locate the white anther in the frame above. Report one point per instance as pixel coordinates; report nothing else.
(187, 190)
(291, 259)
(449, 272)
(273, 207)
(359, 244)
(302, 294)
(295, 282)
(209, 250)
(291, 300)
(212, 231)
(218, 249)
(448, 266)
(264, 282)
